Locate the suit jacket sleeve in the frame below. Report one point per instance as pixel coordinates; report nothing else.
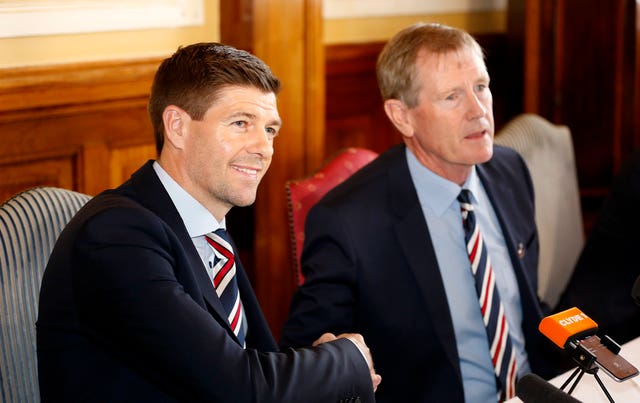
(331, 273)
(129, 287)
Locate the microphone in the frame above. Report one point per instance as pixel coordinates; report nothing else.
(635, 291)
(574, 331)
(567, 326)
(533, 389)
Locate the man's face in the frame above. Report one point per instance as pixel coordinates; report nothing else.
(453, 120)
(229, 151)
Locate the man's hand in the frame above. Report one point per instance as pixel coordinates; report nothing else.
(358, 340)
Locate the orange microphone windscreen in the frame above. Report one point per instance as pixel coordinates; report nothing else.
(562, 326)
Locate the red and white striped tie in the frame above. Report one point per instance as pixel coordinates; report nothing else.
(500, 346)
(225, 283)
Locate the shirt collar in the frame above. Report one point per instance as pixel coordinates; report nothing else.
(197, 219)
(442, 192)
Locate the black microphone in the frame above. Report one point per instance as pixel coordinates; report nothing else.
(533, 389)
(635, 291)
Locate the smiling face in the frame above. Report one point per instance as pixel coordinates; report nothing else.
(221, 159)
(451, 128)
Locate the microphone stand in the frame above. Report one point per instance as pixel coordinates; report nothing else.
(586, 364)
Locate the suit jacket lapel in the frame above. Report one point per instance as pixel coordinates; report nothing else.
(505, 206)
(503, 203)
(150, 192)
(258, 334)
(415, 240)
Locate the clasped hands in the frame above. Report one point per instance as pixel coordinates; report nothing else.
(358, 340)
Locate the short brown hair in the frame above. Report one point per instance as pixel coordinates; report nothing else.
(396, 69)
(194, 75)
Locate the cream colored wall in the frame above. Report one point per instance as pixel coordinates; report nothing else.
(56, 49)
(373, 29)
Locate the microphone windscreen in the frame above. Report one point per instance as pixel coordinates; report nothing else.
(567, 325)
(533, 389)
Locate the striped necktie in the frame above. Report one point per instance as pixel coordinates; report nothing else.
(225, 283)
(500, 346)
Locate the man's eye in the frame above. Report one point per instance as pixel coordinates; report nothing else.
(271, 131)
(240, 123)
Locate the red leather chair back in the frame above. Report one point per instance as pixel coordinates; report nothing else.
(304, 193)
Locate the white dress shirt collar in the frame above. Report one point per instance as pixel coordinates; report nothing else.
(197, 219)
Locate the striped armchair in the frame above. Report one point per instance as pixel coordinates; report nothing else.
(30, 223)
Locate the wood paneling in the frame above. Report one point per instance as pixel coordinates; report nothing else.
(354, 113)
(19, 176)
(69, 125)
(236, 23)
(124, 161)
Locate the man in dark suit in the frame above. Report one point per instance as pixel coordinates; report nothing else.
(385, 253)
(608, 266)
(143, 299)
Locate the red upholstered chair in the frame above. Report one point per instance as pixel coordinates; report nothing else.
(304, 193)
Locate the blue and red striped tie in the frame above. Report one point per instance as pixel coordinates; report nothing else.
(500, 346)
(225, 283)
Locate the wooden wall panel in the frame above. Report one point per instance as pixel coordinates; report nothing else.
(354, 113)
(16, 177)
(60, 124)
(126, 160)
(28, 88)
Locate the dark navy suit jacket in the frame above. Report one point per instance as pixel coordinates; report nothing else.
(608, 265)
(370, 267)
(128, 313)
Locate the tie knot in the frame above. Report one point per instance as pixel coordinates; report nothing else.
(220, 237)
(464, 198)
(222, 233)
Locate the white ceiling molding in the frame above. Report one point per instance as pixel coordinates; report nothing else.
(40, 17)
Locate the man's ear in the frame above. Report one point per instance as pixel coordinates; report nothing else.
(176, 122)
(398, 113)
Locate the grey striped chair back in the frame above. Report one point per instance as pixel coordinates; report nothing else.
(30, 223)
(547, 149)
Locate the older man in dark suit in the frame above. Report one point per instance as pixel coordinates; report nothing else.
(400, 251)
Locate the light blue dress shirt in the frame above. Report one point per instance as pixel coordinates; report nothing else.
(438, 199)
